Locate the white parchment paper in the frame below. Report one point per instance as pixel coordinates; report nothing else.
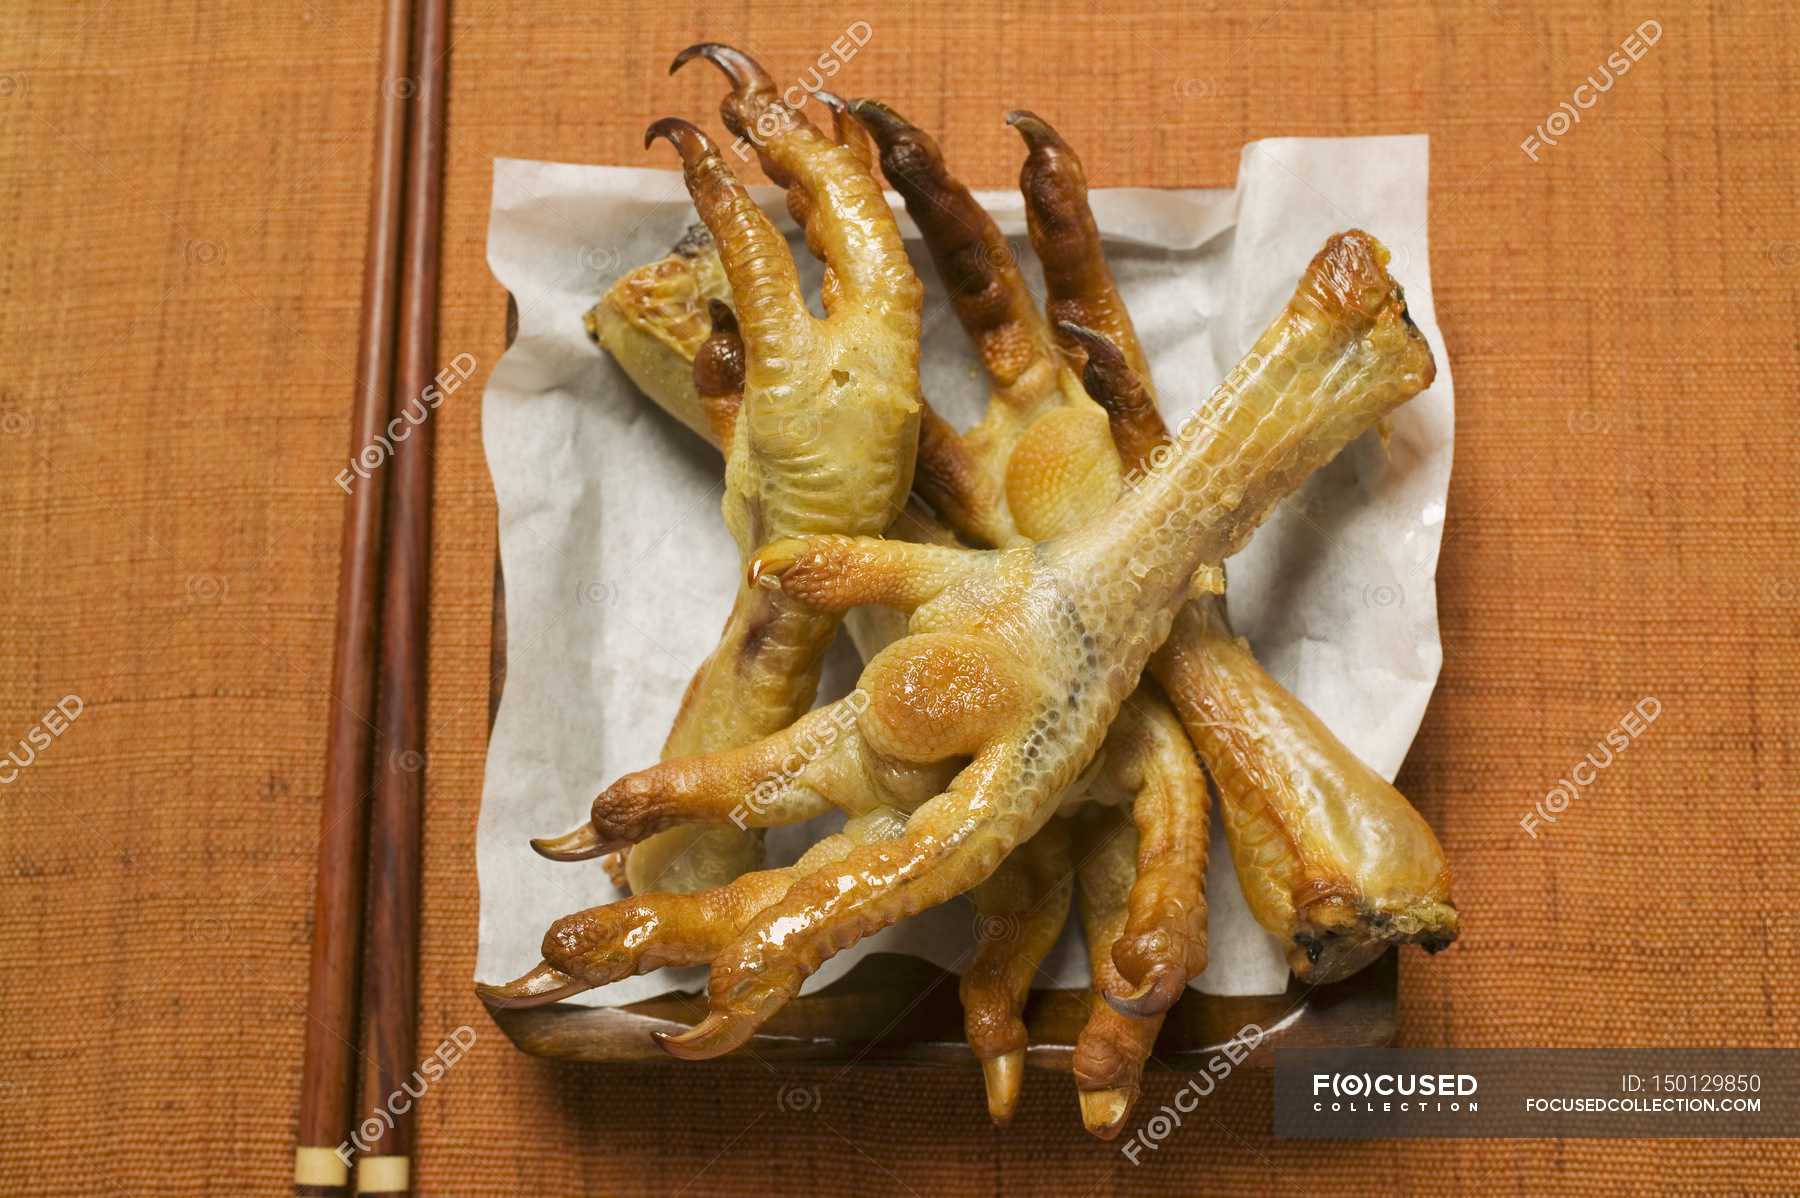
(619, 572)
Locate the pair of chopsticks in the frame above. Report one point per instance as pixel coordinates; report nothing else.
(387, 516)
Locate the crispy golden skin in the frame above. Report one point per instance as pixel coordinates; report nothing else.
(998, 981)
(1368, 890)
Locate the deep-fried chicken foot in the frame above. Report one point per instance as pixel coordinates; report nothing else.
(1041, 462)
(824, 440)
(1333, 860)
(1019, 659)
(1406, 894)
(1126, 424)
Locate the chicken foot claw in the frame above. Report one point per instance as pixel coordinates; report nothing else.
(580, 844)
(963, 476)
(819, 423)
(1067, 241)
(541, 986)
(1020, 911)
(1137, 427)
(1113, 1045)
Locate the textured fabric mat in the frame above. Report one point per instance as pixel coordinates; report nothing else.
(183, 191)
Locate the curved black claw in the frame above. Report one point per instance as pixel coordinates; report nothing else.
(686, 137)
(1097, 346)
(883, 122)
(1137, 426)
(583, 844)
(941, 206)
(1036, 131)
(745, 73)
(543, 985)
(1159, 992)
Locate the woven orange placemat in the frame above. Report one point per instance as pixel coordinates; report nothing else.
(182, 198)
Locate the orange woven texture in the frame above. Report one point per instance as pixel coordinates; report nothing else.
(183, 192)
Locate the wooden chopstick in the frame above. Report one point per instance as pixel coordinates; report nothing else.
(390, 1081)
(332, 993)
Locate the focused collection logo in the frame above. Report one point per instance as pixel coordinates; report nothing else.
(1532, 1093)
(1403, 1093)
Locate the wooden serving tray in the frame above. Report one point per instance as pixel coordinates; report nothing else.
(895, 1009)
